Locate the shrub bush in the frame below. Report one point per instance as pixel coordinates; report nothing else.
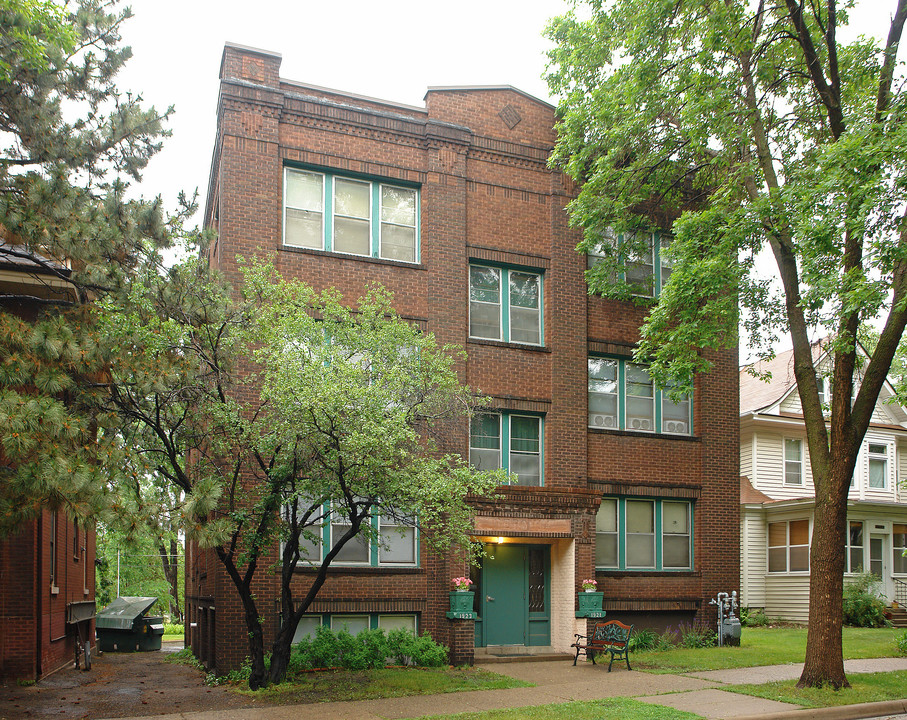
(753, 617)
(901, 643)
(369, 649)
(862, 608)
(696, 637)
(667, 640)
(173, 629)
(642, 640)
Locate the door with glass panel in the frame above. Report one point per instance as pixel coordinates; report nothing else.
(879, 554)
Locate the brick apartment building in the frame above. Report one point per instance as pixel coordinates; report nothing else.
(453, 207)
(47, 571)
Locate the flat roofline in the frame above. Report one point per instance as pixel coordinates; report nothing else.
(469, 88)
(355, 96)
(249, 48)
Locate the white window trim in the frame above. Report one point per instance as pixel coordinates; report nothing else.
(785, 461)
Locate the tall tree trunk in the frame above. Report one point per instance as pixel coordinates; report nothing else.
(170, 561)
(824, 665)
(258, 677)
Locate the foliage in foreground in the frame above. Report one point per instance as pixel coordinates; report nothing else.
(739, 130)
(864, 688)
(288, 411)
(862, 607)
(624, 708)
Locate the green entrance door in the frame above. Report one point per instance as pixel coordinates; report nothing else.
(506, 599)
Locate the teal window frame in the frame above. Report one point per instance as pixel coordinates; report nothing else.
(659, 532)
(506, 442)
(505, 307)
(376, 219)
(374, 619)
(662, 266)
(374, 548)
(598, 421)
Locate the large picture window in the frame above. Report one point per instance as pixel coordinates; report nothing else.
(509, 441)
(397, 544)
(348, 215)
(788, 546)
(505, 304)
(644, 534)
(622, 396)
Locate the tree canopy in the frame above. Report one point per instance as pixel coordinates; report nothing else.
(279, 411)
(744, 129)
(69, 235)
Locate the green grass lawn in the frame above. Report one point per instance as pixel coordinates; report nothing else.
(864, 687)
(623, 708)
(332, 686)
(765, 646)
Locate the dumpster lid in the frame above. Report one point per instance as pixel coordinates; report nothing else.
(123, 612)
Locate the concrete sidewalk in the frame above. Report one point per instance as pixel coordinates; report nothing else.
(559, 681)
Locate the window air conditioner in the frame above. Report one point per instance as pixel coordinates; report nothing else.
(639, 424)
(599, 420)
(675, 426)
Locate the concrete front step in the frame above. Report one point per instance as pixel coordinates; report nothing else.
(518, 653)
(898, 617)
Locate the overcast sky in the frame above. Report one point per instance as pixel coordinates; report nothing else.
(392, 50)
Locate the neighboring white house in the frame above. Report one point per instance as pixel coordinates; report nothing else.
(777, 494)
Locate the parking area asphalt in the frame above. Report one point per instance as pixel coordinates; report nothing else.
(558, 681)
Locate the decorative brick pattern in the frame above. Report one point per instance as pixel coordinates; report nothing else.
(487, 195)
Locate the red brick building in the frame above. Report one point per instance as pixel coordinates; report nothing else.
(47, 571)
(452, 207)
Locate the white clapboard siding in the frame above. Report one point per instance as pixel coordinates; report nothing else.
(769, 475)
(787, 597)
(746, 457)
(753, 550)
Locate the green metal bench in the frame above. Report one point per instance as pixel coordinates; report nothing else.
(610, 637)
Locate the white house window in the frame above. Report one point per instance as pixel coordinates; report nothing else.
(622, 396)
(899, 543)
(788, 546)
(358, 217)
(641, 534)
(397, 542)
(667, 264)
(855, 547)
(306, 628)
(793, 462)
(505, 305)
(509, 441)
(356, 550)
(878, 466)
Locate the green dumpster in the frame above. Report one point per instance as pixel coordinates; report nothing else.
(123, 626)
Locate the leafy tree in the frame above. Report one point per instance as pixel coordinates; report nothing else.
(72, 142)
(280, 409)
(752, 127)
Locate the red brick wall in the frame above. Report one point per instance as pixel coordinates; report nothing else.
(479, 157)
(36, 638)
